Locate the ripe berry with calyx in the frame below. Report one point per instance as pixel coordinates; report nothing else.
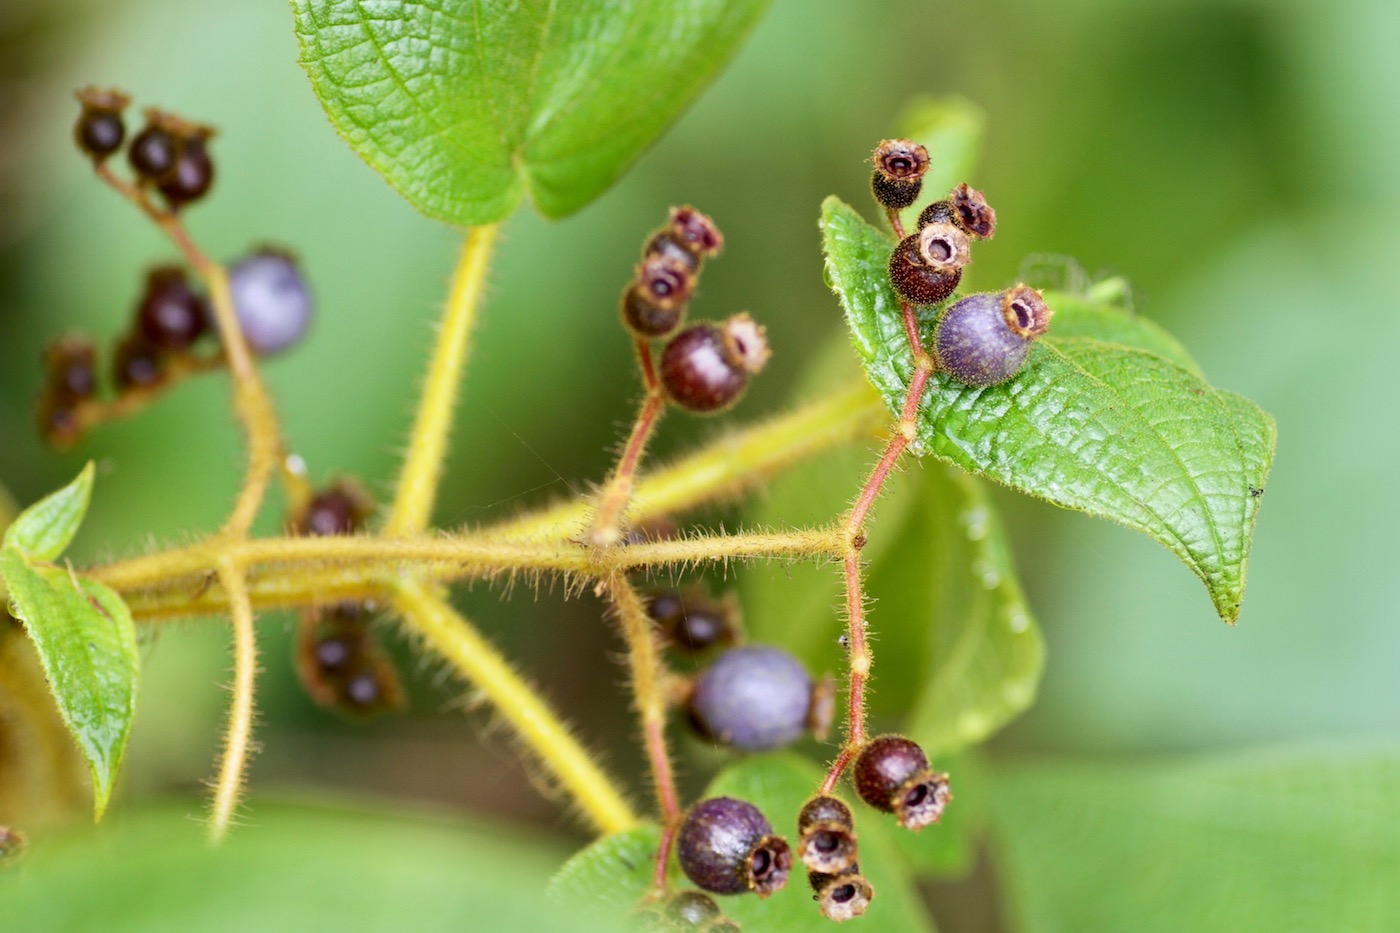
(984, 339)
(271, 299)
(827, 835)
(900, 165)
(926, 267)
(891, 773)
(706, 367)
(726, 846)
(100, 129)
(156, 148)
(654, 304)
(171, 315)
(752, 698)
(696, 231)
(340, 509)
(842, 896)
(193, 173)
(693, 621)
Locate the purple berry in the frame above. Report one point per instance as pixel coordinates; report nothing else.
(271, 299)
(752, 698)
(891, 773)
(706, 367)
(984, 339)
(726, 846)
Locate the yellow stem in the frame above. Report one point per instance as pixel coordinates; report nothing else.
(422, 467)
(428, 616)
(238, 740)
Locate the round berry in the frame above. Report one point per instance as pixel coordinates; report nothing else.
(271, 300)
(972, 213)
(667, 243)
(696, 231)
(338, 510)
(693, 621)
(691, 910)
(900, 165)
(154, 151)
(706, 367)
(171, 315)
(726, 846)
(334, 652)
(654, 304)
(100, 130)
(137, 363)
(915, 280)
(71, 365)
(192, 175)
(891, 773)
(828, 839)
(752, 698)
(939, 212)
(842, 897)
(984, 339)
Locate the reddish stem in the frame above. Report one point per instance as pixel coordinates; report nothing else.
(613, 502)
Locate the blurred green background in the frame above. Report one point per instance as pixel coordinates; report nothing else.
(1236, 161)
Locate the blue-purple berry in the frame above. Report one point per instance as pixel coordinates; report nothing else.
(752, 698)
(727, 846)
(984, 339)
(271, 299)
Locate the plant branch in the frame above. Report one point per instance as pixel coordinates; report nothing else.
(612, 503)
(422, 466)
(431, 618)
(238, 738)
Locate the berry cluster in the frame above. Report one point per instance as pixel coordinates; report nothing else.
(340, 662)
(170, 154)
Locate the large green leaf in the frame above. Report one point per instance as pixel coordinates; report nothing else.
(42, 531)
(87, 645)
(466, 105)
(1288, 842)
(296, 870)
(1106, 426)
(617, 870)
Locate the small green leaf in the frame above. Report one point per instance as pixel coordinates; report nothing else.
(1296, 840)
(43, 530)
(87, 645)
(609, 876)
(1110, 428)
(464, 106)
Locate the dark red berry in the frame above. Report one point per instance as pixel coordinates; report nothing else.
(706, 367)
(914, 280)
(691, 910)
(343, 666)
(137, 363)
(842, 896)
(654, 304)
(171, 315)
(984, 339)
(972, 213)
(696, 231)
(154, 150)
(694, 621)
(827, 840)
(193, 174)
(71, 366)
(271, 299)
(900, 165)
(726, 846)
(339, 509)
(752, 698)
(939, 212)
(891, 773)
(100, 130)
(667, 243)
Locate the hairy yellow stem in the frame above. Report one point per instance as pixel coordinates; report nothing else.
(422, 467)
(238, 738)
(430, 618)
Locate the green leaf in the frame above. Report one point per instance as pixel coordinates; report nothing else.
(616, 871)
(43, 530)
(87, 646)
(296, 869)
(1110, 428)
(1297, 840)
(464, 106)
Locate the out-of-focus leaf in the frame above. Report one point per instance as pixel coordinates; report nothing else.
(951, 129)
(43, 530)
(1290, 842)
(87, 646)
(465, 106)
(1107, 428)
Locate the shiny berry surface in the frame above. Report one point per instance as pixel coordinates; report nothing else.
(171, 315)
(752, 698)
(726, 846)
(153, 153)
(914, 280)
(192, 175)
(882, 768)
(698, 373)
(984, 339)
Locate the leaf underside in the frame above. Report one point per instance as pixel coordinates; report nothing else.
(1109, 416)
(464, 106)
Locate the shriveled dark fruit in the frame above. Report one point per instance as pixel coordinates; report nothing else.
(696, 231)
(842, 897)
(914, 280)
(192, 176)
(972, 213)
(70, 363)
(827, 840)
(271, 299)
(984, 339)
(654, 304)
(706, 367)
(900, 165)
(171, 315)
(939, 212)
(752, 698)
(667, 243)
(340, 509)
(891, 773)
(726, 846)
(100, 130)
(137, 363)
(691, 910)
